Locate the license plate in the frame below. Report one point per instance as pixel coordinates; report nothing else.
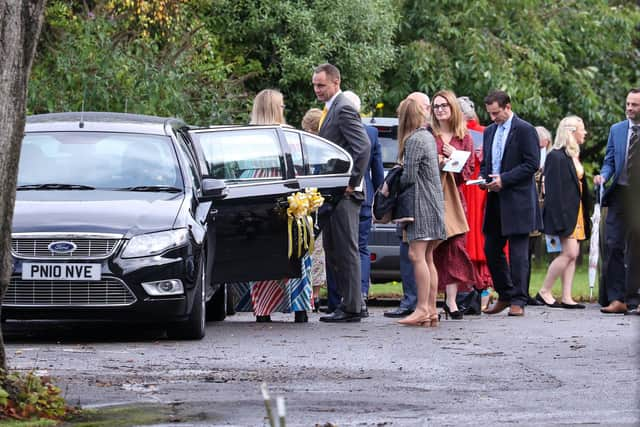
(42, 271)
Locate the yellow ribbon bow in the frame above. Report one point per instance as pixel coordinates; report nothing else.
(301, 206)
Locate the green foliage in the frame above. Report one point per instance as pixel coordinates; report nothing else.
(26, 396)
(286, 39)
(553, 58)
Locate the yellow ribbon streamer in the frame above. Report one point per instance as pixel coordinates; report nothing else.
(301, 206)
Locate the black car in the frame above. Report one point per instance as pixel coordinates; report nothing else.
(114, 218)
(384, 243)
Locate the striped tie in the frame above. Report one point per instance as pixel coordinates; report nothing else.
(634, 141)
(324, 114)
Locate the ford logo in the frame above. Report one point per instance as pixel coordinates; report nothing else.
(62, 247)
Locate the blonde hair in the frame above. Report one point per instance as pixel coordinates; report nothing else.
(268, 108)
(411, 116)
(458, 123)
(311, 120)
(565, 135)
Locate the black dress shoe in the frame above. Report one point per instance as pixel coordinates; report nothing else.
(572, 306)
(554, 304)
(533, 301)
(633, 312)
(301, 317)
(398, 312)
(340, 316)
(263, 319)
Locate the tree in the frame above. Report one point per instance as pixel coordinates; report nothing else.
(20, 23)
(553, 58)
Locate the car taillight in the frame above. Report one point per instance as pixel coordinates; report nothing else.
(373, 256)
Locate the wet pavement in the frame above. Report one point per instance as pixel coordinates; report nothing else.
(552, 367)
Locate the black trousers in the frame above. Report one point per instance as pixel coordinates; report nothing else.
(618, 240)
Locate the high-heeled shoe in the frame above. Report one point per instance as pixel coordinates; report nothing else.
(455, 315)
(415, 319)
(434, 320)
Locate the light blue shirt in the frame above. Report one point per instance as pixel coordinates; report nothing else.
(497, 147)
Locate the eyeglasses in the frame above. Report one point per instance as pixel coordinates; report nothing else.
(444, 106)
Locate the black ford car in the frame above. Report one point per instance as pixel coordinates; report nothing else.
(127, 218)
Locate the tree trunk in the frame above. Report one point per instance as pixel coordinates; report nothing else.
(20, 24)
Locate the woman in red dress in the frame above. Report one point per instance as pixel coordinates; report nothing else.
(455, 269)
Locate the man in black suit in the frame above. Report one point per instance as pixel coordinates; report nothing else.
(342, 125)
(511, 157)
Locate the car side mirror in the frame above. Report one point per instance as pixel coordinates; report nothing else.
(213, 189)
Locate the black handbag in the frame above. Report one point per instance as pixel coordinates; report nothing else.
(469, 302)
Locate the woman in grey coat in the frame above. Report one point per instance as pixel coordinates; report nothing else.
(419, 156)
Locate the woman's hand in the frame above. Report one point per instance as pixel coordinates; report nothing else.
(447, 150)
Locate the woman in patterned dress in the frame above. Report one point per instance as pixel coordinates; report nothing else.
(417, 152)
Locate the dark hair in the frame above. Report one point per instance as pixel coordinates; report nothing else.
(499, 96)
(635, 90)
(331, 70)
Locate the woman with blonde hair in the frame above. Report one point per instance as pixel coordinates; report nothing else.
(268, 108)
(418, 155)
(455, 268)
(566, 207)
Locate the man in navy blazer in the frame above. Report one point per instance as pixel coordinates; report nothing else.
(511, 157)
(623, 143)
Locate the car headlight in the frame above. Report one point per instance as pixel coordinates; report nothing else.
(155, 243)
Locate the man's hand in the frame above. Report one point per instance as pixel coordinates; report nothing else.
(495, 184)
(348, 191)
(598, 180)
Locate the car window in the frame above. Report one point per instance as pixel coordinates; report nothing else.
(322, 158)
(243, 154)
(389, 148)
(192, 170)
(102, 160)
(295, 147)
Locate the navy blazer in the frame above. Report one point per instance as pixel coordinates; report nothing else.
(343, 126)
(615, 157)
(375, 171)
(518, 199)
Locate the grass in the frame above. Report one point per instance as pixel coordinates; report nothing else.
(580, 285)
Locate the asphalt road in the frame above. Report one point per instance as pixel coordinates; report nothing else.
(552, 367)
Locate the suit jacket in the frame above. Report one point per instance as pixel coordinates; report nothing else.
(343, 126)
(516, 203)
(563, 196)
(375, 171)
(615, 157)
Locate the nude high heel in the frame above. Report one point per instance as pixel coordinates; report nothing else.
(415, 319)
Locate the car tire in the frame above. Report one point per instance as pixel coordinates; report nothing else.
(217, 306)
(194, 327)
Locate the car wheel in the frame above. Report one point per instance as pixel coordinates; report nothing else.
(217, 307)
(194, 327)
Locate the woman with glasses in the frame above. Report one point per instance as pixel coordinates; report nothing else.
(455, 268)
(566, 209)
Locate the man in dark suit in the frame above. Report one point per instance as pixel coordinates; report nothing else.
(619, 163)
(342, 125)
(511, 157)
(373, 177)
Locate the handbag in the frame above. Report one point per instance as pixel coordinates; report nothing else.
(469, 302)
(455, 220)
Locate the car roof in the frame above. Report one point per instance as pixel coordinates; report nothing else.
(101, 121)
(380, 121)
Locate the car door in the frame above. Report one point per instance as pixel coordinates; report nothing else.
(251, 222)
(319, 163)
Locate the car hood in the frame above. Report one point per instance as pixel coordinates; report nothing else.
(95, 211)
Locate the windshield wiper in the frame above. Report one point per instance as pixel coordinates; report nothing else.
(52, 186)
(151, 188)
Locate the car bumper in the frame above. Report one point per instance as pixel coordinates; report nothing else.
(384, 246)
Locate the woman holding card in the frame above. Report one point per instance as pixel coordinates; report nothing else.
(455, 268)
(566, 208)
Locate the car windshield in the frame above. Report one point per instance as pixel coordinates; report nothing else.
(97, 160)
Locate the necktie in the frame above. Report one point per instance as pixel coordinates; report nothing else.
(324, 114)
(634, 141)
(497, 152)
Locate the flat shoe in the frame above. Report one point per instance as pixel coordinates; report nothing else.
(572, 306)
(554, 304)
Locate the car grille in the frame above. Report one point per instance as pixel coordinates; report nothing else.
(103, 293)
(87, 248)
